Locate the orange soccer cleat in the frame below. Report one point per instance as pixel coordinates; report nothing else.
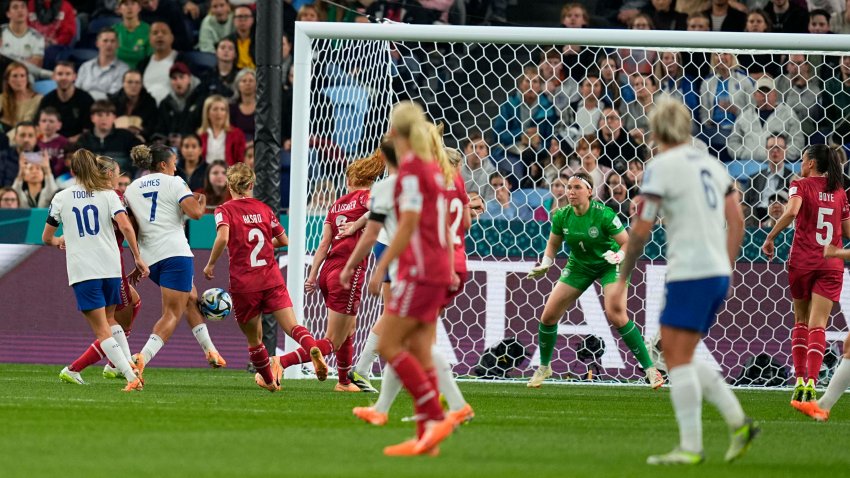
(138, 364)
(271, 387)
(216, 360)
(349, 387)
(370, 415)
(812, 410)
(435, 432)
(319, 364)
(277, 370)
(134, 386)
(408, 448)
(464, 415)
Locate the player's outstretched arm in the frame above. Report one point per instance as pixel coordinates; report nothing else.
(791, 210)
(553, 245)
(734, 225)
(126, 228)
(319, 258)
(194, 206)
(361, 250)
(350, 228)
(222, 235)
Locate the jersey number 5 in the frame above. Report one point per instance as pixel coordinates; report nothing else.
(256, 235)
(826, 237)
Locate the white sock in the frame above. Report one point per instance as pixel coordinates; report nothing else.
(202, 335)
(686, 395)
(367, 356)
(390, 386)
(446, 381)
(151, 348)
(116, 356)
(837, 385)
(717, 392)
(118, 335)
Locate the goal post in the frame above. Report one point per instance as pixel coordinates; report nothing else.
(464, 75)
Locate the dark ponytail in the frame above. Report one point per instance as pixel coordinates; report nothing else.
(827, 161)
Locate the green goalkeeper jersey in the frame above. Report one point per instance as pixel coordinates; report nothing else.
(588, 236)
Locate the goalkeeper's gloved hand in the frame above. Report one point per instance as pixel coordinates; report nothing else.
(540, 269)
(614, 257)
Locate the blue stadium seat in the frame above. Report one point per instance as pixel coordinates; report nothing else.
(43, 87)
(200, 62)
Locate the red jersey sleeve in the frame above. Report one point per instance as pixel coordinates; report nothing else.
(222, 218)
(794, 189)
(277, 228)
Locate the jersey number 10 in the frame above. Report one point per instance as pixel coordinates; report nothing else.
(85, 225)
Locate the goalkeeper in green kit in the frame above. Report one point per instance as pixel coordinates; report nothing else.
(595, 237)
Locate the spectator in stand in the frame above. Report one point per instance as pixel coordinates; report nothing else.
(673, 81)
(618, 147)
(56, 20)
(556, 199)
(786, 17)
(155, 68)
(8, 162)
(616, 90)
(169, 12)
(588, 151)
(818, 24)
(9, 198)
(759, 64)
(219, 139)
(25, 139)
(249, 154)
(215, 185)
(638, 60)
(107, 140)
(775, 209)
(525, 108)
(243, 37)
(18, 102)
(665, 16)
(72, 103)
(133, 34)
(615, 190)
(800, 89)
(477, 166)
(309, 13)
(19, 41)
(634, 175)
(576, 58)
(722, 97)
(724, 18)
(774, 177)
(501, 207)
(764, 118)
(101, 76)
(191, 164)
(835, 98)
(244, 104)
(557, 167)
(35, 183)
(697, 64)
(582, 117)
(180, 111)
(216, 25)
(51, 142)
(636, 117)
(840, 20)
(134, 101)
(286, 52)
(222, 79)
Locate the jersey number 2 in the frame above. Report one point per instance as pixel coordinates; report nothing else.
(257, 235)
(456, 210)
(826, 238)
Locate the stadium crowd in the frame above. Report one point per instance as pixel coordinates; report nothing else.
(110, 74)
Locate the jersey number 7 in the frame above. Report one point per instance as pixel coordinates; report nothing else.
(152, 195)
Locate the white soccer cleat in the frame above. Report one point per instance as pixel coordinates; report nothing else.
(542, 373)
(111, 372)
(71, 377)
(676, 457)
(654, 378)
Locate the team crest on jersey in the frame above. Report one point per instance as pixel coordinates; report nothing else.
(566, 231)
(593, 232)
(616, 222)
(565, 272)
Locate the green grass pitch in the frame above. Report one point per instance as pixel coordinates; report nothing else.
(201, 422)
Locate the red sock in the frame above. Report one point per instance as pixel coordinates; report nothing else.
(303, 336)
(814, 357)
(91, 356)
(297, 357)
(799, 348)
(344, 357)
(325, 346)
(425, 397)
(260, 358)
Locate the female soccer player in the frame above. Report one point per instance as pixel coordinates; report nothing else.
(93, 259)
(705, 226)
(158, 202)
(250, 230)
(125, 312)
(595, 237)
(818, 207)
(424, 275)
(331, 255)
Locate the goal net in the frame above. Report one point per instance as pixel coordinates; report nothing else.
(527, 108)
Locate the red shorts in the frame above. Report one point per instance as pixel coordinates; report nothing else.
(419, 301)
(463, 276)
(804, 283)
(247, 305)
(336, 297)
(126, 298)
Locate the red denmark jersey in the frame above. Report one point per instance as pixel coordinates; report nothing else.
(419, 188)
(817, 224)
(457, 200)
(348, 208)
(252, 225)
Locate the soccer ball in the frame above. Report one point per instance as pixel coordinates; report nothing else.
(215, 304)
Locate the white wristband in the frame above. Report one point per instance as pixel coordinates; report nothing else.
(547, 261)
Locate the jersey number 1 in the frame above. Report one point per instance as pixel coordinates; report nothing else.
(826, 238)
(256, 235)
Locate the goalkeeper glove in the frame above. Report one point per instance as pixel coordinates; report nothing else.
(614, 257)
(540, 269)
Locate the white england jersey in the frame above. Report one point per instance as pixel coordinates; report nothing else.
(382, 202)
(91, 251)
(155, 202)
(692, 186)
